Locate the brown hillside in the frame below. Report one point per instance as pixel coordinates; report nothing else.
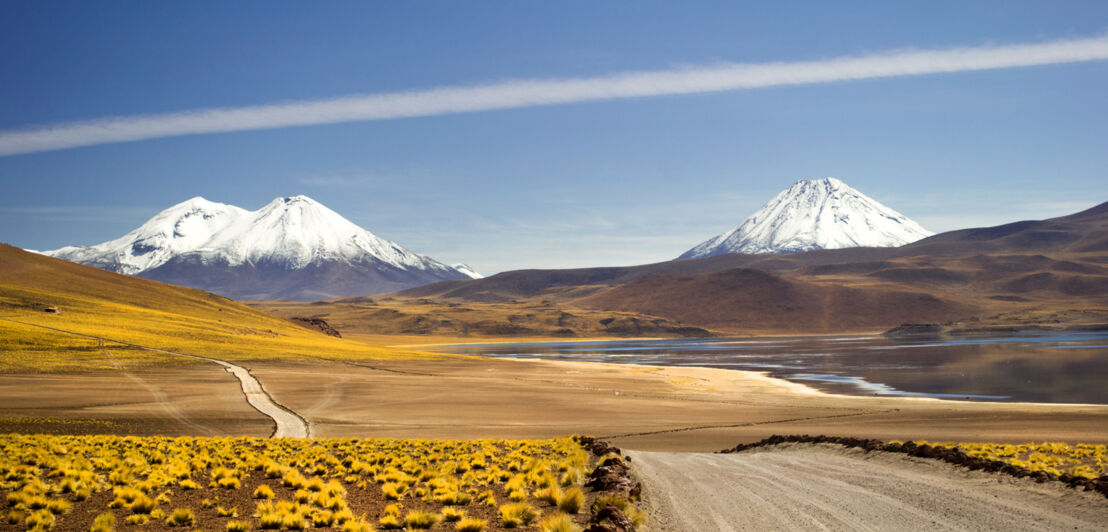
(757, 301)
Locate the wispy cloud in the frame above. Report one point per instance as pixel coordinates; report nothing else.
(538, 92)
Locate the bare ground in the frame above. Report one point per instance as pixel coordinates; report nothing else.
(661, 409)
(807, 487)
(657, 409)
(196, 400)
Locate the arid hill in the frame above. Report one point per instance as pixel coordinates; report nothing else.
(748, 299)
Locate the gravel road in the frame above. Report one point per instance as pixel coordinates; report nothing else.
(289, 425)
(809, 487)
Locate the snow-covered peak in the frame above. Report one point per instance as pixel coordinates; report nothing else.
(292, 232)
(815, 214)
(179, 229)
(297, 231)
(465, 269)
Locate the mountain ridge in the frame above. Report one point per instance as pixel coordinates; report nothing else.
(291, 248)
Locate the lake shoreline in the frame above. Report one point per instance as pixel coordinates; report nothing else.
(1027, 367)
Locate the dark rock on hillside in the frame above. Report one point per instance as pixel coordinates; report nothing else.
(316, 324)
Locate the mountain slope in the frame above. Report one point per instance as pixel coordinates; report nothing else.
(754, 300)
(814, 214)
(96, 302)
(292, 248)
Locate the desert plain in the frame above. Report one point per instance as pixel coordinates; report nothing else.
(460, 397)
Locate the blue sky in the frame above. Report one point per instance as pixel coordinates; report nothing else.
(609, 182)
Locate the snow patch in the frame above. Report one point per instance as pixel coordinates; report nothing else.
(464, 269)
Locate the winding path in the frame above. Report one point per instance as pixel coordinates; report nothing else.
(288, 424)
(832, 488)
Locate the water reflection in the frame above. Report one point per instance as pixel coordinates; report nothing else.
(1038, 367)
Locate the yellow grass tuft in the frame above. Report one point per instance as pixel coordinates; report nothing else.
(571, 500)
(104, 522)
(181, 517)
(559, 523)
(238, 526)
(514, 515)
(471, 525)
(420, 520)
(263, 492)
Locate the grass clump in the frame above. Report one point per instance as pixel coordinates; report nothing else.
(143, 505)
(390, 522)
(514, 515)
(263, 492)
(559, 523)
(488, 498)
(470, 524)
(420, 520)
(452, 515)
(454, 498)
(394, 491)
(58, 506)
(104, 522)
(571, 500)
(549, 495)
(322, 519)
(238, 526)
(40, 519)
(181, 517)
(357, 526)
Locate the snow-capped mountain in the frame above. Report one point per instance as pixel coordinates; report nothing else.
(814, 214)
(292, 248)
(182, 228)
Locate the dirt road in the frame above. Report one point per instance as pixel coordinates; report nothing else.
(808, 487)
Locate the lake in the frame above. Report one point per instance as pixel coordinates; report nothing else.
(1057, 367)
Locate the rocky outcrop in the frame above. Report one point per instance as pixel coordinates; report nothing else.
(316, 324)
(612, 476)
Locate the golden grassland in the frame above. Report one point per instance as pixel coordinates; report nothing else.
(1079, 460)
(104, 482)
(136, 311)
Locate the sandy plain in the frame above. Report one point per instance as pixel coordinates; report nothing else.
(637, 407)
(199, 399)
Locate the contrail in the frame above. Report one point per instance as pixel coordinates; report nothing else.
(535, 92)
